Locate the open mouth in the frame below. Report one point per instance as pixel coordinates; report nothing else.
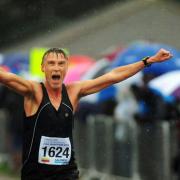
(56, 77)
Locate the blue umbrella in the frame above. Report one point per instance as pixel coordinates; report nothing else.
(17, 62)
(167, 85)
(108, 93)
(139, 50)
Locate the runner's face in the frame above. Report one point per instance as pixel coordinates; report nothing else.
(55, 68)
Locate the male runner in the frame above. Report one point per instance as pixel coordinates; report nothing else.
(48, 113)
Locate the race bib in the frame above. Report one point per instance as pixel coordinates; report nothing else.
(54, 151)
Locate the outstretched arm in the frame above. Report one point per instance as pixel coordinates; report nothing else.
(16, 83)
(119, 74)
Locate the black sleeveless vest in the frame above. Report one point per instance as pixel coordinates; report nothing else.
(47, 122)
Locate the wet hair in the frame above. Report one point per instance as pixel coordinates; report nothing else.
(56, 51)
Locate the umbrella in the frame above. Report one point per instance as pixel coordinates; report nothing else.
(110, 92)
(17, 62)
(167, 85)
(138, 50)
(4, 68)
(97, 69)
(176, 93)
(75, 60)
(79, 64)
(113, 53)
(107, 93)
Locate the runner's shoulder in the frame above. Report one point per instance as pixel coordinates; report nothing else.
(36, 89)
(73, 86)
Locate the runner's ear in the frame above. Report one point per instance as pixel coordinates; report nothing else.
(42, 67)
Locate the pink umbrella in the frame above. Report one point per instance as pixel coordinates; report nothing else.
(79, 64)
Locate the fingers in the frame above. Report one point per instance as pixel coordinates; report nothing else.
(166, 53)
(163, 51)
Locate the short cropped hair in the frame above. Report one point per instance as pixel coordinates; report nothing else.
(56, 51)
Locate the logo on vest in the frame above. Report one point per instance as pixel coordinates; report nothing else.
(66, 114)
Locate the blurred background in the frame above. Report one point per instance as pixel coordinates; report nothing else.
(129, 131)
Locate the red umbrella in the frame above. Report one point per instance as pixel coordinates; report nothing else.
(4, 68)
(112, 54)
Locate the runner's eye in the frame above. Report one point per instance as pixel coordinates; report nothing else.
(62, 63)
(51, 63)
